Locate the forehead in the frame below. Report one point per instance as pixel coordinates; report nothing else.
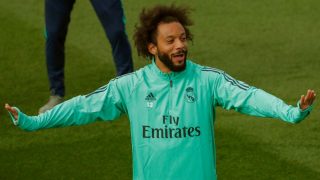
(170, 29)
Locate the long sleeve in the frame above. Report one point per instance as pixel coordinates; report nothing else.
(102, 104)
(233, 94)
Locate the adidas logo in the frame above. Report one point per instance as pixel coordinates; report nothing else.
(150, 97)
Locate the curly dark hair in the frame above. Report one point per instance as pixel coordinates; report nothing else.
(145, 33)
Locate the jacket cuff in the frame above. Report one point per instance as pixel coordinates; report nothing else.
(15, 121)
(305, 111)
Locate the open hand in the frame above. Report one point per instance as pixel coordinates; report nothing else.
(12, 110)
(307, 100)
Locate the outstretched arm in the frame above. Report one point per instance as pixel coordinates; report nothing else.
(233, 94)
(98, 105)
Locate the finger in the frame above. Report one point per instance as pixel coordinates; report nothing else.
(7, 106)
(307, 97)
(311, 97)
(302, 101)
(308, 94)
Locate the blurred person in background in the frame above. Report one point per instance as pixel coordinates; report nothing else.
(57, 18)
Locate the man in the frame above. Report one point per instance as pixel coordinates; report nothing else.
(57, 16)
(170, 103)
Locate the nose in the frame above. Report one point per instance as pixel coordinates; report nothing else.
(180, 44)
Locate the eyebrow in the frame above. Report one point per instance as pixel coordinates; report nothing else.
(172, 36)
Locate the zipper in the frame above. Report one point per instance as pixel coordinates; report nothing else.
(170, 95)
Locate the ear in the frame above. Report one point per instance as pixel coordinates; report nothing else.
(152, 48)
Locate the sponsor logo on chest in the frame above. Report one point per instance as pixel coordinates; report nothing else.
(150, 99)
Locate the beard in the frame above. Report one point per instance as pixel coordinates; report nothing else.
(168, 62)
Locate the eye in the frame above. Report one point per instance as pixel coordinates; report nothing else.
(183, 38)
(170, 41)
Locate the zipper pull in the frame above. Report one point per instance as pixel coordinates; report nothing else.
(170, 83)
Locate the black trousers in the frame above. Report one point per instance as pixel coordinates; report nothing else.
(57, 18)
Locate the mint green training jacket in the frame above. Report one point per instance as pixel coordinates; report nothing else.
(171, 116)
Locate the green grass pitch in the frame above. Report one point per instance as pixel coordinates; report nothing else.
(273, 45)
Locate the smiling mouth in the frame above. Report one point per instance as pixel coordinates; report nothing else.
(179, 56)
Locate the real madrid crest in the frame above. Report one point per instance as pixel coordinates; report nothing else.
(190, 96)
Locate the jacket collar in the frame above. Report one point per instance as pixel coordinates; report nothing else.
(170, 75)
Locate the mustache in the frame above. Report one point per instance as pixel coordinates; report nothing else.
(180, 52)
